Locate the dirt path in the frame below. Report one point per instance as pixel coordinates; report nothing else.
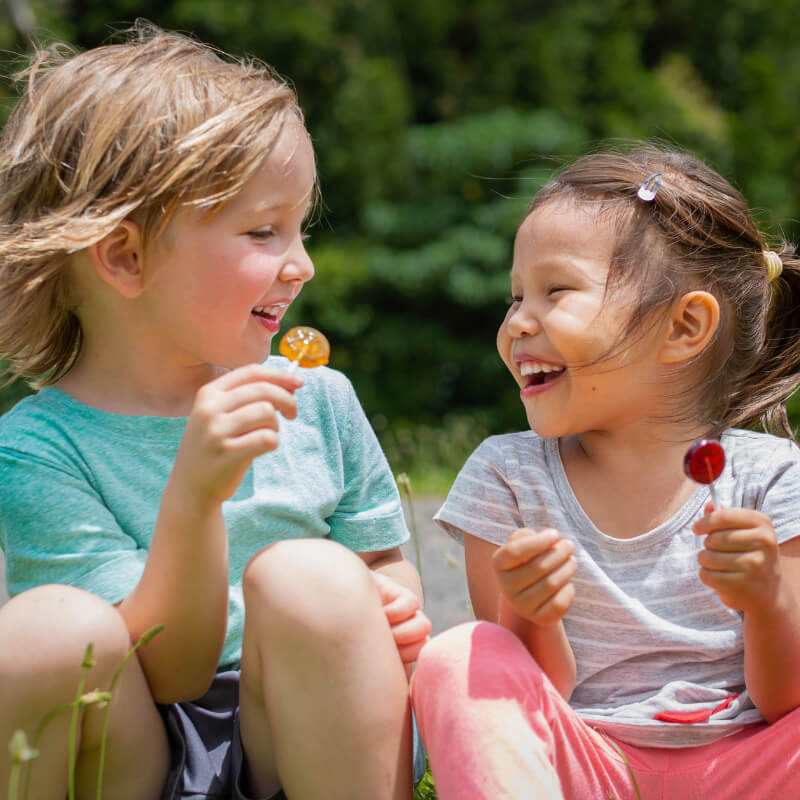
(446, 595)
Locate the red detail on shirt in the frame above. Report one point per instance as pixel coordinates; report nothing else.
(687, 717)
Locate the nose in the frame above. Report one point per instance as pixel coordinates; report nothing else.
(298, 266)
(521, 321)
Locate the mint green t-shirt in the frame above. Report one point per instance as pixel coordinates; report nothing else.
(80, 490)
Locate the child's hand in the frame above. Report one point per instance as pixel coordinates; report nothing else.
(410, 627)
(234, 419)
(534, 569)
(740, 557)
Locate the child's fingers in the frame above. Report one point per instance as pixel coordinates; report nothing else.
(540, 568)
(409, 653)
(554, 607)
(741, 540)
(262, 414)
(251, 395)
(727, 519)
(253, 373)
(401, 607)
(258, 392)
(412, 630)
(541, 599)
(523, 545)
(742, 561)
(258, 441)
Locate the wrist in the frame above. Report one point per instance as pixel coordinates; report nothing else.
(180, 503)
(773, 604)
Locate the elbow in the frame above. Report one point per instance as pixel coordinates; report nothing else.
(181, 688)
(564, 681)
(772, 715)
(180, 680)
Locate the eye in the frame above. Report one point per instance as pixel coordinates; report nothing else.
(513, 299)
(555, 289)
(261, 234)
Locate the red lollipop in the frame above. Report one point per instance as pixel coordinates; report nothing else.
(704, 462)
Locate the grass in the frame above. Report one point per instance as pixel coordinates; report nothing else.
(23, 755)
(426, 789)
(431, 455)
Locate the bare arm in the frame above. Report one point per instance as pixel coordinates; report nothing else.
(400, 590)
(742, 561)
(396, 566)
(185, 581)
(547, 643)
(184, 587)
(772, 642)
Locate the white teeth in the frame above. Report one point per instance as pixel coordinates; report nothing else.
(534, 367)
(269, 309)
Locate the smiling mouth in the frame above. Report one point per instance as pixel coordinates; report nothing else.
(540, 373)
(542, 378)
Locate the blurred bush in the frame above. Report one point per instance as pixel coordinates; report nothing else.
(435, 123)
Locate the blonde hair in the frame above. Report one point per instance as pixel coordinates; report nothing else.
(134, 129)
(697, 231)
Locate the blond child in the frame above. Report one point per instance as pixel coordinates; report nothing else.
(154, 198)
(635, 641)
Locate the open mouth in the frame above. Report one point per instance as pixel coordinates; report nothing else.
(269, 316)
(539, 373)
(542, 378)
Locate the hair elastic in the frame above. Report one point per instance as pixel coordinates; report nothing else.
(649, 188)
(773, 263)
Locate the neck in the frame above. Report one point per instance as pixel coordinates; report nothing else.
(640, 447)
(125, 376)
(629, 482)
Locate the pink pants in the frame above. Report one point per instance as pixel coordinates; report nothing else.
(496, 728)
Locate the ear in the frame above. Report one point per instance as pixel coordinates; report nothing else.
(692, 322)
(117, 259)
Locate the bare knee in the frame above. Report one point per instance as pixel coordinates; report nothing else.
(308, 584)
(44, 634)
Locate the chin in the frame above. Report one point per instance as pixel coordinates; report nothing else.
(547, 429)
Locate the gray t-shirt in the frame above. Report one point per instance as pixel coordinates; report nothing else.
(80, 490)
(648, 637)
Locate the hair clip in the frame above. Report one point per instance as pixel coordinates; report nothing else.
(649, 188)
(773, 263)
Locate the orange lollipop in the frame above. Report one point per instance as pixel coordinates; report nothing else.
(305, 346)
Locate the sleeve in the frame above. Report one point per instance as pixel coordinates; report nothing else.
(369, 515)
(481, 501)
(779, 490)
(54, 528)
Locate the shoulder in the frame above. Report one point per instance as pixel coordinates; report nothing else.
(751, 453)
(521, 447)
(327, 403)
(34, 423)
(321, 385)
(765, 475)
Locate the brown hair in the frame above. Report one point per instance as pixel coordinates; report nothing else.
(134, 129)
(697, 232)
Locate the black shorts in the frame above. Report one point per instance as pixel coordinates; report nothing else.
(206, 756)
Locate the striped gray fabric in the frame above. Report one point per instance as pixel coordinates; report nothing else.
(648, 636)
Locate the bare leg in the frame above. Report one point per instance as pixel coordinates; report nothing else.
(43, 637)
(324, 697)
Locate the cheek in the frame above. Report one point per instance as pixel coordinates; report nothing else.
(503, 343)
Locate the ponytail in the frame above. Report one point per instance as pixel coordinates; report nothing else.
(759, 397)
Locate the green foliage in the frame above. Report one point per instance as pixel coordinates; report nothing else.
(10, 394)
(426, 790)
(434, 124)
(22, 755)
